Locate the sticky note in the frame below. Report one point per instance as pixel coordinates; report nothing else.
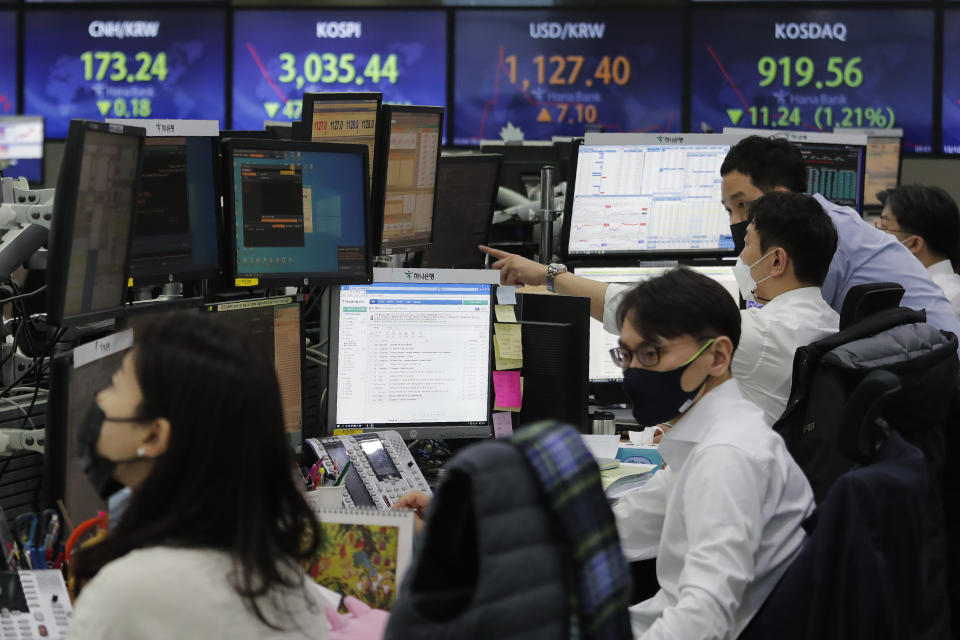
(502, 425)
(501, 362)
(505, 313)
(507, 295)
(508, 336)
(508, 390)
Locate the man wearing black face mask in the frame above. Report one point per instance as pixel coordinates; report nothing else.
(724, 517)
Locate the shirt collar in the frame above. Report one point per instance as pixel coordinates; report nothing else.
(803, 294)
(697, 422)
(940, 268)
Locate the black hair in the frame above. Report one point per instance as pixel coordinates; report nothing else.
(928, 212)
(797, 223)
(768, 162)
(226, 479)
(681, 302)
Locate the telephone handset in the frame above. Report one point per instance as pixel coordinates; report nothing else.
(382, 469)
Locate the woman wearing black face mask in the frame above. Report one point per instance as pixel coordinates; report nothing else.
(209, 545)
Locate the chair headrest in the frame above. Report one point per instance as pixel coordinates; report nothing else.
(866, 299)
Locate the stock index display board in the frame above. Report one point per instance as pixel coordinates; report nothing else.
(814, 70)
(109, 63)
(279, 55)
(544, 73)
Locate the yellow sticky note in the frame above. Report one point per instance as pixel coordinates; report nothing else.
(501, 362)
(246, 282)
(498, 408)
(505, 313)
(510, 341)
(129, 282)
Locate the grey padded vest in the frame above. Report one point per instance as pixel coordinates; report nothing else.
(489, 566)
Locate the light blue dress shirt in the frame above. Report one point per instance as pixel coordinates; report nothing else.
(865, 254)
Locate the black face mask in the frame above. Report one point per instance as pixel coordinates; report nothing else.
(99, 469)
(739, 232)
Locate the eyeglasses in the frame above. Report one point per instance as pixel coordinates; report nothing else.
(648, 355)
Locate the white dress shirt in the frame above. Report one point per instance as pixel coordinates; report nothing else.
(166, 593)
(723, 520)
(769, 337)
(943, 274)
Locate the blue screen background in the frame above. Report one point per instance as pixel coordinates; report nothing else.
(8, 71)
(486, 100)
(54, 84)
(951, 81)
(418, 38)
(328, 175)
(896, 47)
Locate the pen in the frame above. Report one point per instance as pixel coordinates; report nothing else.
(343, 474)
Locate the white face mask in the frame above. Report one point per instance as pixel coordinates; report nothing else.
(746, 283)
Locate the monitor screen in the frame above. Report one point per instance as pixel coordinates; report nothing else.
(466, 195)
(602, 368)
(175, 228)
(534, 74)
(31, 169)
(414, 357)
(835, 171)
(814, 69)
(345, 119)
(643, 198)
(411, 176)
(130, 63)
(298, 211)
(92, 222)
(21, 137)
(951, 81)
(8, 72)
(280, 55)
(275, 324)
(883, 168)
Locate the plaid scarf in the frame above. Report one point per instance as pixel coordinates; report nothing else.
(570, 480)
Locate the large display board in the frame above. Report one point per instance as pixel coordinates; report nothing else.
(8, 72)
(279, 55)
(131, 63)
(951, 81)
(555, 73)
(814, 70)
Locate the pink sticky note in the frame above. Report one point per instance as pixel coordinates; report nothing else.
(507, 389)
(502, 425)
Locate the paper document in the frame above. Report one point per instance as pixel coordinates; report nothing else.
(601, 446)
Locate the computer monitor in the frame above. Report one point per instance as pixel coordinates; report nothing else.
(175, 225)
(350, 118)
(605, 377)
(466, 195)
(92, 222)
(276, 327)
(411, 138)
(21, 137)
(884, 153)
(76, 377)
(296, 212)
(835, 162)
(556, 345)
(647, 195)
(29, 168)
(411, 357)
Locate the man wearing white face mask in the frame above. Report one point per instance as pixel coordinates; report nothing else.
(787, 251)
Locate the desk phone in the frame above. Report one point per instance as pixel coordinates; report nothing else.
(383, 468)
(34, 604)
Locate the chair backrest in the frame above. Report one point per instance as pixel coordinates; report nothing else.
(864, 300)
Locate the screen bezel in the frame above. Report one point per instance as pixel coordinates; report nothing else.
(154, 275)
(300, 278)
(380, 183)
(64, 221)
(406, 430)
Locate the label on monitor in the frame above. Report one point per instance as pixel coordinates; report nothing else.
(246, 282)
(163, 127)
(438, 276)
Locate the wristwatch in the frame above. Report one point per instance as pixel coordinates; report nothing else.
(553, 270)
